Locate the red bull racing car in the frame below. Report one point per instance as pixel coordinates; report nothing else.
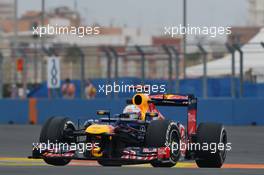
(140, 134)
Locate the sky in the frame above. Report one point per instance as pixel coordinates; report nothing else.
(152, 14)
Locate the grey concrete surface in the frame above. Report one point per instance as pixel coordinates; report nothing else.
(123, 171)
(247, 147)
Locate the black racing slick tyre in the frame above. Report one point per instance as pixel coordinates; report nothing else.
(214, 136)
(161, 133)
(53, 132)
(44, 129)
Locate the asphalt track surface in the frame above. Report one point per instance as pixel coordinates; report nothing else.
(246, 156)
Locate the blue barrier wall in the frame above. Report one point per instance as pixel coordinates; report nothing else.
(228, 111)
(14, 110)
(217, 87)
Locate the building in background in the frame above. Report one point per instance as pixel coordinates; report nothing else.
(64, 12)
(57, 16)
(6, 10)
(95, 60)
(61, 16)
(242, 34)
(252, 58)
(256, 12)
(6, 13)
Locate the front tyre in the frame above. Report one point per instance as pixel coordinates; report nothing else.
(161, 133)
(212, 134)
(53, 131)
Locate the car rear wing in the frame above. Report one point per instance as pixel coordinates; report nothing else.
(189, 101)
(172, 100)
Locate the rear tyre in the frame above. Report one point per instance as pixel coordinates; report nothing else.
(159, 134)
(53, 132)
(211, 134)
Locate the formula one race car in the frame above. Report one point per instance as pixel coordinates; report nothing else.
(138, 135)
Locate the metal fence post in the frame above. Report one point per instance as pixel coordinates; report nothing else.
(14, 93)
(43, 70)
(203, 51)
(231, 50)
(116, 56)
(184, 37)
(1, 75)
(82, 61)
(241, 69)
(167, 51)
(109, 62)
(49, 53)
(262, 44)
(35, 62)
(141, 52)
(177, 66)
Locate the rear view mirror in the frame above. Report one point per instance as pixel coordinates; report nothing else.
(103, 112)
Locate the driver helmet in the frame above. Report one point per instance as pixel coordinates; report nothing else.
(133, 111)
